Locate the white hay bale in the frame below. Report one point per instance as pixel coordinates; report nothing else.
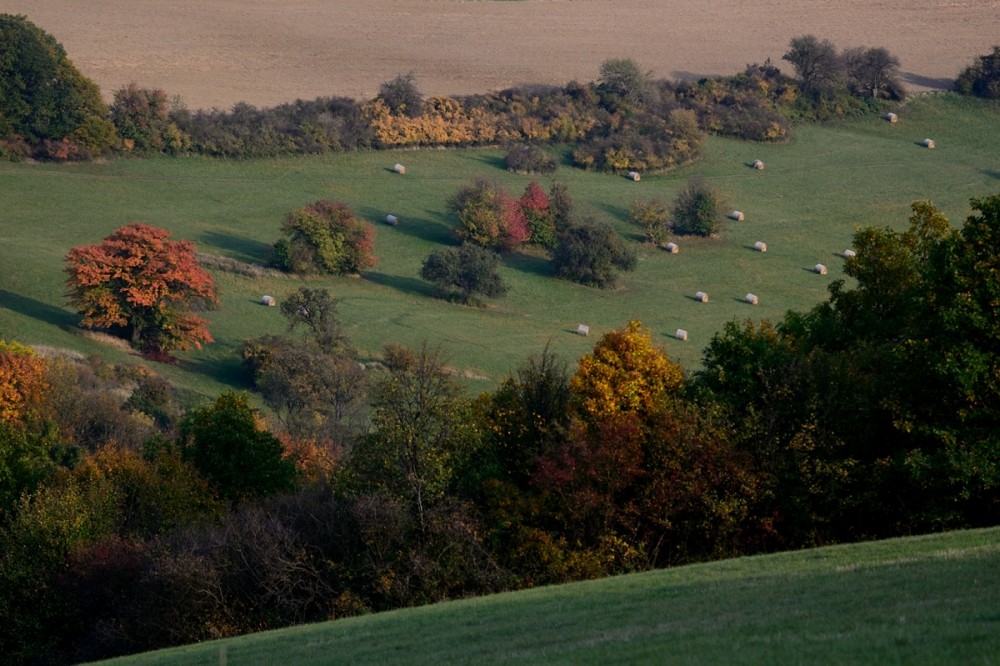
(751, 299)
(758, 164)
(391, 220)
(760, 246)
(681, 334)
(633, 175)
(267, 300)
(848, 253)
(701, 297)
(891, 117)
(672, 248)
(399, 168)
(583, 330)
(736, 215)
(820, 269)
(928, 143)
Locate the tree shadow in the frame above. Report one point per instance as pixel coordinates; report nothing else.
(402, 283)
(617, 212)
(529, 263)
(226, 369)
(432, 230)
(246, 249)
(992, 173)
(928, 81)
(494, 161)
(36, 309)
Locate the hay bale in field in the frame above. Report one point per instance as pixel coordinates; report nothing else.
(583, 330)
(399, 168)
(681, 334)
(267, 300)
(391, 220)
(758, 164)
(672, 248)
(760, 246)
(751, 299)
(736, 215)
(820, 269)
(633, 175)
(701, 297)
(928, 143)
(848, 253)
(891, 117)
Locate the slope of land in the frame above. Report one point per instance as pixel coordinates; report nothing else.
(214, 53)
(923, 600)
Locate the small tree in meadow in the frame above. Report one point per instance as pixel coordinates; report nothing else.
(592, 253)
(653, 216)
(488, 216)
(470, 269)
(698, 209)
(326, 237)
(142, 286)
(537, 210)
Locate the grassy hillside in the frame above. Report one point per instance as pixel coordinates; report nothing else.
(929, 599)
(805, 205)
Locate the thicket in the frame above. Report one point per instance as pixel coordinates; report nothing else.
(982, 77)
(131, 521)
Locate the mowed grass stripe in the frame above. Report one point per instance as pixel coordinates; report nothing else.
(920, 600)
(816, 190)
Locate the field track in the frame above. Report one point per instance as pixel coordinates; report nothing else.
(214, 53)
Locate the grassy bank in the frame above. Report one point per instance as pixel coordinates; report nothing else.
(922, 600)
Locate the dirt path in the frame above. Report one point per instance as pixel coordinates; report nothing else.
(218, 52)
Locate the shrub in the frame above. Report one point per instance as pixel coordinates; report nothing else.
(698, 209)
(982, 77)
(591, 253)
(401, 95)
(326, 237)
(470, 269)
(653, 216)
(528, 158)
(141, 117)
(489, 216)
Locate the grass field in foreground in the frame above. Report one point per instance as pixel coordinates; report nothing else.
(919, 600)
(805, 205)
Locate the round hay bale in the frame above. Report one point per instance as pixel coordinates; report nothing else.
(751, 299)
(891, 117)
(399, 168)
(583, 330)
(681, 334)
(760, 246)
(736, 215)
(633, 175)
(758, 164)
(701, 297)
(848, 253)
(928, 143)
(672, 248)
(267, 300)
(391, 220)
(820, 269)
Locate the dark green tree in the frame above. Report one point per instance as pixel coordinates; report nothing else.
(44, 99)
(470, 269)
(873, 72)
(401, 95)
(982, 77)
(698, 209)
(624, 82)
(227, 444)
(326, 237)
(592, 253)
(817, 64)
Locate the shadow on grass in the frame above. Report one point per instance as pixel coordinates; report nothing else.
(617, 212)
(529, 263)
(29, 307)
(226, 370)
(401, 283)
(992, 173)
(495, 161)
(246, 249)
(425, 228)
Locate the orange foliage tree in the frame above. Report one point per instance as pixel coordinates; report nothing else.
(22, 381)
(142, 286)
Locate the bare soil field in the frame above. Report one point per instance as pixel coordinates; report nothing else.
(214, 53)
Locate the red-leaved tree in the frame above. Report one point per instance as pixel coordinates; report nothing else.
(138, 284)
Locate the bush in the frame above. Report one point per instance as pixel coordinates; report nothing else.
(653, 216)
(591, 253)
(401, 95)
(527, 158)
(982, 77)
(141, 117)
(326, 237)
(470, 269)
(698, 209)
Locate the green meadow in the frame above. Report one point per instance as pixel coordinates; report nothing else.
(814, 192)
(919, 600)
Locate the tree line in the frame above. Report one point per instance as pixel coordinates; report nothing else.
(131, 519)
(624, 121)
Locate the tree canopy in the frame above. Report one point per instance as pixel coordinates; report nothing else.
(139, 284)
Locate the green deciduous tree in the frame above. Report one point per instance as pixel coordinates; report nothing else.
(624, 82)
(654, 218)
(226, 443)
(698, 209)
(470, 269)
(817, 63)
(592, 253)
(982, 77)
(327, 237)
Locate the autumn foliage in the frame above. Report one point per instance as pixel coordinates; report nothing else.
(22, 381)
(139, 284)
